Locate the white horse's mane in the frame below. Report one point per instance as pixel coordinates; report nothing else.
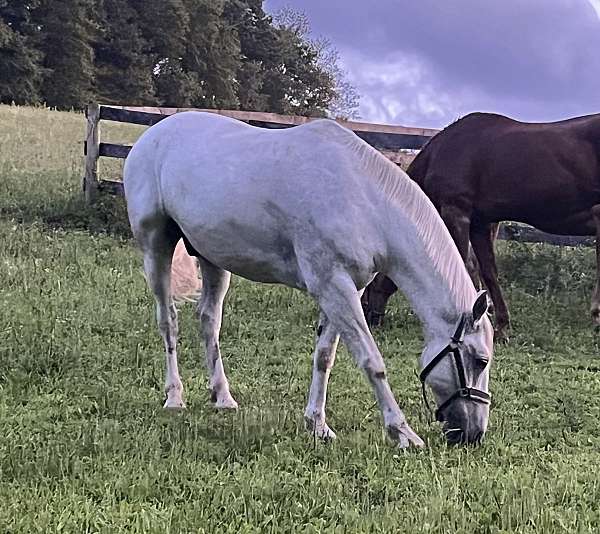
(397, 186)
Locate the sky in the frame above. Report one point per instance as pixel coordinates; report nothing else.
(428, 62)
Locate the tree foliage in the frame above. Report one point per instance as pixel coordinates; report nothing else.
(121, 56)
(64, 33)
(341, 96)
(20, 69)
(201, 53)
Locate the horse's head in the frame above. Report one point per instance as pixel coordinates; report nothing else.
(457, 370)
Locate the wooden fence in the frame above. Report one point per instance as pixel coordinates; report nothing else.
(390, 140)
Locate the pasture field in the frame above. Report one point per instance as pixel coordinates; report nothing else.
(86, 447)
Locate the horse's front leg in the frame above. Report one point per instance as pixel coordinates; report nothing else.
(323, 360)
(482, 239)
(595, 307)
(375, 299)
(340, 301)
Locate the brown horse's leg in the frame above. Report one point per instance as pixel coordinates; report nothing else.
(595, 307)
(473, 264)
(375, 298)
(482, 239)
(473, 268)
(458, 223)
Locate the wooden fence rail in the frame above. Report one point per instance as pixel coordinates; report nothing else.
(388, 139)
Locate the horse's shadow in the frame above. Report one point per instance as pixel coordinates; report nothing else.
(107, 216)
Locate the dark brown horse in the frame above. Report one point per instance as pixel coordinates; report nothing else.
(487, 168)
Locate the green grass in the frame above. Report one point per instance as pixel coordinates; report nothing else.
(86, 447)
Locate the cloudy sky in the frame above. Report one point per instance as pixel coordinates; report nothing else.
(428, 62)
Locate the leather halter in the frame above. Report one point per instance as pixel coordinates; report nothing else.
(463, 392)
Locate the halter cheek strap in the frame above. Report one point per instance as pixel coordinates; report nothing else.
(463, 392)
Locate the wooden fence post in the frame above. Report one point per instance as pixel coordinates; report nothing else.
(92, 149)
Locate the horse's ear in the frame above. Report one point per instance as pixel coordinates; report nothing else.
(480, 306)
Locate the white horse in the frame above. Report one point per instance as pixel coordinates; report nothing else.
(315, 208)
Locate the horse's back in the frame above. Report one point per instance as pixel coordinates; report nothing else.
(212, 157)
(239, 193)
(503, 169)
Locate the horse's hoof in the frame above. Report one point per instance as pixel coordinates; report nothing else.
(404, 437)
(319, 430)
(226, 403)
(174, 405)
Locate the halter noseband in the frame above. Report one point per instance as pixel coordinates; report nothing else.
(463, 392)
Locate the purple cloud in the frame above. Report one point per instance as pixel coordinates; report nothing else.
(426, 63)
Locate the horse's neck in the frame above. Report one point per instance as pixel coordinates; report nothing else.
(434, 298)
(429, 298)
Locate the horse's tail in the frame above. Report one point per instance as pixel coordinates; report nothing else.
(185, 282)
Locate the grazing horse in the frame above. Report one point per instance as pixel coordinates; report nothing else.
(487, 168)
(315, 208)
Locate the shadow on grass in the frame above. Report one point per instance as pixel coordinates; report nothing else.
(107, 216)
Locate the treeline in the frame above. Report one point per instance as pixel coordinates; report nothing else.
(199, 53)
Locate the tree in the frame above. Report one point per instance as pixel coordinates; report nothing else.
(212, 54)
(201, 53)
(121, 57)
(20, 71)
(261, 73)
(336, 93)
(297, 84)
(164, 25)
(282, 69)
(65, 32)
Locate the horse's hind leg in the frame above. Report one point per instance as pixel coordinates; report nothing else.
(158, 247)
(595, 307)
(323, 360)
(210, 311)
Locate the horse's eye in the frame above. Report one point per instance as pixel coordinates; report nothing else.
(481, 362)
